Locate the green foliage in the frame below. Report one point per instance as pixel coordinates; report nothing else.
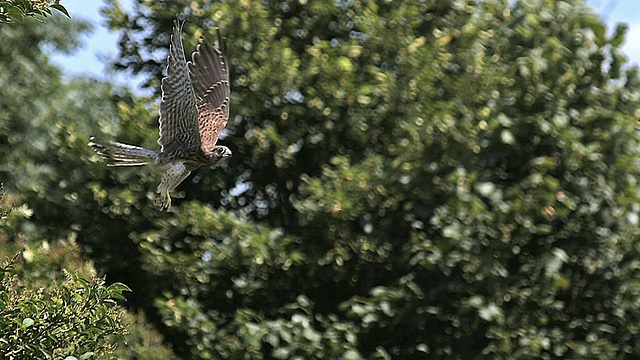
(142, 341)
(5, 208)
(48, 287)
(76, 317)
(35, 144)
(18, 10)
(410, 179)
(442, 179)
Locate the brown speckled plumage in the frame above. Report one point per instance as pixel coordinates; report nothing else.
(193, 112)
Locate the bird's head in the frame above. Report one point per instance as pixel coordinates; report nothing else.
(222, 152)
(218, 156)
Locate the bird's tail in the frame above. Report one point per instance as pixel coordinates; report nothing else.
(122, 154)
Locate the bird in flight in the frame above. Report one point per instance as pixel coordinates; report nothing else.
(193, 111)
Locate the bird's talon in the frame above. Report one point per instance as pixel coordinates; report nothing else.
(163, 202)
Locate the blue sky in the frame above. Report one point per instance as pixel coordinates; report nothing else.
(102, 44)
(99, 46)
(622, 11)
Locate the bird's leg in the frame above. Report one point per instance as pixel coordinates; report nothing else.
(174, 174)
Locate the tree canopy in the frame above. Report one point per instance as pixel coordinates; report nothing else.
(18, 10)
(444, 179)
(53, 303)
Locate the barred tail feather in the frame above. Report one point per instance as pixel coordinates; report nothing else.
(122, 154)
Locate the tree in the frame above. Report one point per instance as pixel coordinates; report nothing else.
(18, 10)
(53, 303)
(45, 127)
(77, 317)
(5, 208)
(444, 179)
(452, 178)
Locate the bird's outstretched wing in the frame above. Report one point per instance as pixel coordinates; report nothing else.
(179, 130)
(209, 72)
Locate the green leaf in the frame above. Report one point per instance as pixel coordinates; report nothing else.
(27, 322)
(86, 355)
(345, 64)
(62, 9)
(507, 137)
(14, 13)
(351, 355)
(122, 338)
(118, 287)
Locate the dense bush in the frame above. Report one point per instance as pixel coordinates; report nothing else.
(52, 305)
(77, 317)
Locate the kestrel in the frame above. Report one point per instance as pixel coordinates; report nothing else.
(193, 111)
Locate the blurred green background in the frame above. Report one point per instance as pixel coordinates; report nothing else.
(410, 180)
